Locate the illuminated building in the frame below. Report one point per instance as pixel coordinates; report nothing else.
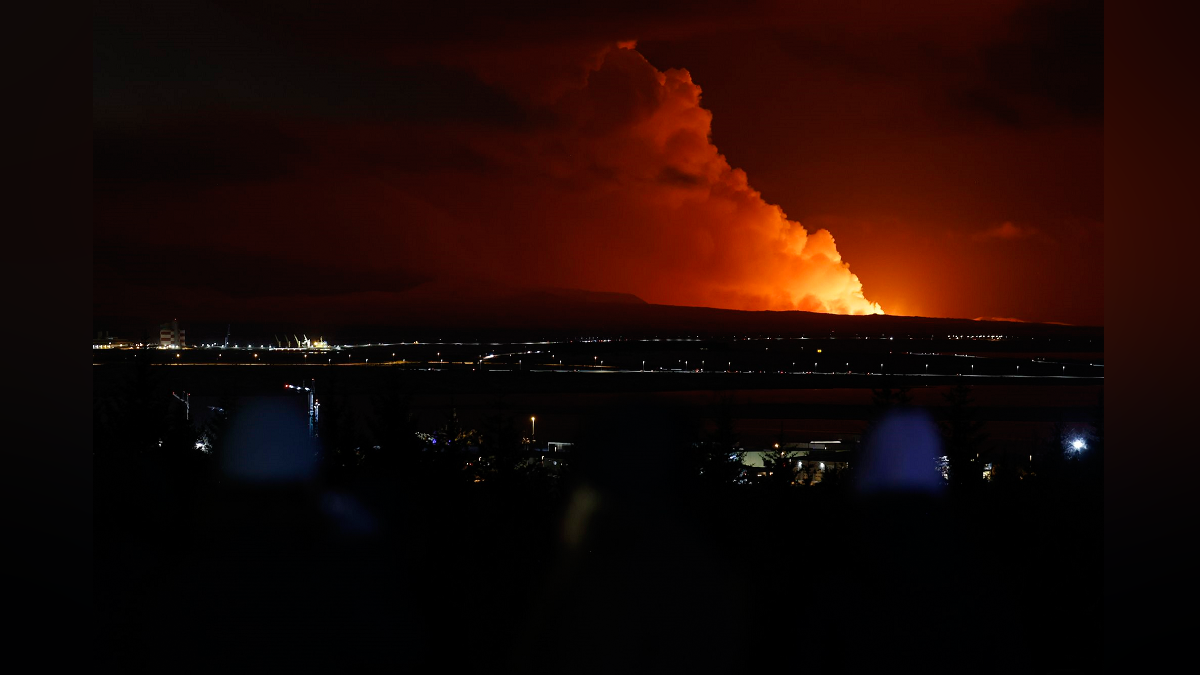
(171, 336)
(812, 458)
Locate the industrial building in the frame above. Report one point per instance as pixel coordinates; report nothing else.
(171, 336)
(305, 344)
(812, 458)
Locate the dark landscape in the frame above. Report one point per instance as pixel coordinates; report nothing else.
(425, 527)
(663, 337)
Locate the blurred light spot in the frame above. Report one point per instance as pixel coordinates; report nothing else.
(583, 504)
(269, 442)
(349, 514)
(900, 455)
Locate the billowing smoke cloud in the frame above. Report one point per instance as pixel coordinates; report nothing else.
(596, 173)
(623, 190)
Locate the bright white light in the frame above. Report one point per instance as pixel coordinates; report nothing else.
(1078, 444)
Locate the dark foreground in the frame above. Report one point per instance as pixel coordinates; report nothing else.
(624, 559)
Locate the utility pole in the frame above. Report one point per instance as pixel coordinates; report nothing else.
(187, 404)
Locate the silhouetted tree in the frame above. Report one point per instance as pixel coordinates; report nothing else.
(132, 419)
(720, 456)
(888, 397)
(962, 436)
(212, 431)
(504, 450)
(394, 446)
(338, 438)
(444, 458)
(1049, 458)
(833, 478)
(780, 464)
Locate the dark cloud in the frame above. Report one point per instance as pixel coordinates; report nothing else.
(1048, 70)
(1057, 54)
(195, 153)
(235, 274)
(376, 25)
(977, 102)
(184, 58)
(673, 176)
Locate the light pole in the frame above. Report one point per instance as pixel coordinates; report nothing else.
(532, 427)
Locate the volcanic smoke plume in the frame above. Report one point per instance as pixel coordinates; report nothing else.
(621, 189)
(590, 170)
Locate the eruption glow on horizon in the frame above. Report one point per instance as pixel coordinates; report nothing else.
(447, 164)
(660, 211)
(595, 171)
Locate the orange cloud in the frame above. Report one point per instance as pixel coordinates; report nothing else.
(1006, 231)
(625, 191)
(601, 176)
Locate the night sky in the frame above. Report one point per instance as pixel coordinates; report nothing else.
(933, 159)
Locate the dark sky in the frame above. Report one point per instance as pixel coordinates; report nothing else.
(936, 159)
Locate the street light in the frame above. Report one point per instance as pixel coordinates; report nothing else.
(533, 426)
